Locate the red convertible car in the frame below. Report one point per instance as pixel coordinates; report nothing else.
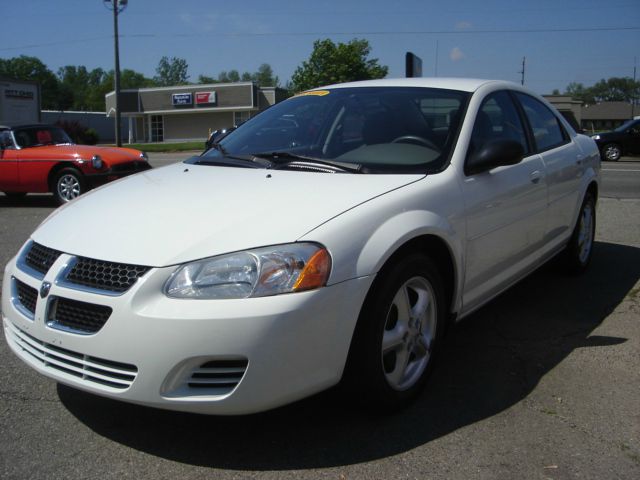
(42, 158)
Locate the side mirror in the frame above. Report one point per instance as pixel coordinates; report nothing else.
(494, 154)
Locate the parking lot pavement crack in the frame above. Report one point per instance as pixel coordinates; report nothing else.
(17, 396)
(613, 444)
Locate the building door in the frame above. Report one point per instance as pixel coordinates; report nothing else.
(157, 128)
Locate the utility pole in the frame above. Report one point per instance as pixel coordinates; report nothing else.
(521, 72)
(117, 6)
(633, 97)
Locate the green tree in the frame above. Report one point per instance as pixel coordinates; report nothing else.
(128, 79)
(77, 85)
(229, 77)
(335, 63)
(616, 89)
(171, 72)
(32, 69)
(264, 76)
(205, 79)
(579, 92)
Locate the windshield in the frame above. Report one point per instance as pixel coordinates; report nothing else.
(626, 125)
(381, 129)
(40, 135)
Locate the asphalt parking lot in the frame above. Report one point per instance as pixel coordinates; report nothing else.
(541, 383)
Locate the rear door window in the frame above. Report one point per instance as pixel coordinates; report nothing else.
(547, 131)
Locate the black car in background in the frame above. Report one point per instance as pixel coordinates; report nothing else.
(624, 140)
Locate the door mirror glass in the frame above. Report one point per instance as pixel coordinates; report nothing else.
(494, 154)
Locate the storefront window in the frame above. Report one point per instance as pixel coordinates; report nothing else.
(240, 117)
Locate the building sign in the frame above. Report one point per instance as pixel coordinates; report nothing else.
(19, 102)
(179, 99)
(22, 94)
(205, 98)
(413, 65)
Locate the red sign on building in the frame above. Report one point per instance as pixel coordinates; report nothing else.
(205, 98)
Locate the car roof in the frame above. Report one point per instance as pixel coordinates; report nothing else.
(461, 84)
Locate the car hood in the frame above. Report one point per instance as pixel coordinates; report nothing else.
(186, 212)
(611, 135)
(111, 155)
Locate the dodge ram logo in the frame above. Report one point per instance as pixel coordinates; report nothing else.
(44, 289)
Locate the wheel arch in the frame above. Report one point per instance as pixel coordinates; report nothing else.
(440, 252)
(61, 165)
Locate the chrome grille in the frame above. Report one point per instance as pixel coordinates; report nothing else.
(27, 296)
(87, 368)
(102, 275)
(77, 317)
(40, 258)
(131, 167)
(218, 376)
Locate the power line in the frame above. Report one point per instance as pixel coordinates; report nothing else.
(319, 34)
(390, 32)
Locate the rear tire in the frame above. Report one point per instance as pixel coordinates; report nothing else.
(578, 252)
(67, 185)
(397, 336)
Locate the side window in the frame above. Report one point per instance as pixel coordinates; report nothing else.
(5, 140)
(497, 119)
(547, 130)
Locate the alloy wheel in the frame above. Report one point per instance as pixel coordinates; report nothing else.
(409, 333)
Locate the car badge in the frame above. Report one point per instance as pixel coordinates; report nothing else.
(44, 289)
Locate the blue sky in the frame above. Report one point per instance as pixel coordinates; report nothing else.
(563, 41)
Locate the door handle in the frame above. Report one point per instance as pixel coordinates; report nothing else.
(535, 176)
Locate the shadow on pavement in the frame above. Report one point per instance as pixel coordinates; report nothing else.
(489, 362)
(28, 201)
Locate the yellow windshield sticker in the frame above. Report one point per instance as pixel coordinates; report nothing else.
(317, 93)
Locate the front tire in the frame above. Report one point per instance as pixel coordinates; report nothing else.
(611, 152)
(397, 335)
(580, 247)
(68, 184)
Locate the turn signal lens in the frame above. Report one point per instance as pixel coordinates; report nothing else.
(315, 273)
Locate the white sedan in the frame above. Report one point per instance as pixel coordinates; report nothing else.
(329, 239)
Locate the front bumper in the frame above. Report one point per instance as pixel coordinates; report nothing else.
(181, 354)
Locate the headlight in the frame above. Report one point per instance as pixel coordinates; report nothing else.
(254, 273)
(596, 137)
(144, 156)
(96, 162)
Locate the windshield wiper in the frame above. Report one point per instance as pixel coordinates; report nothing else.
(231, 160)
(288, 159)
